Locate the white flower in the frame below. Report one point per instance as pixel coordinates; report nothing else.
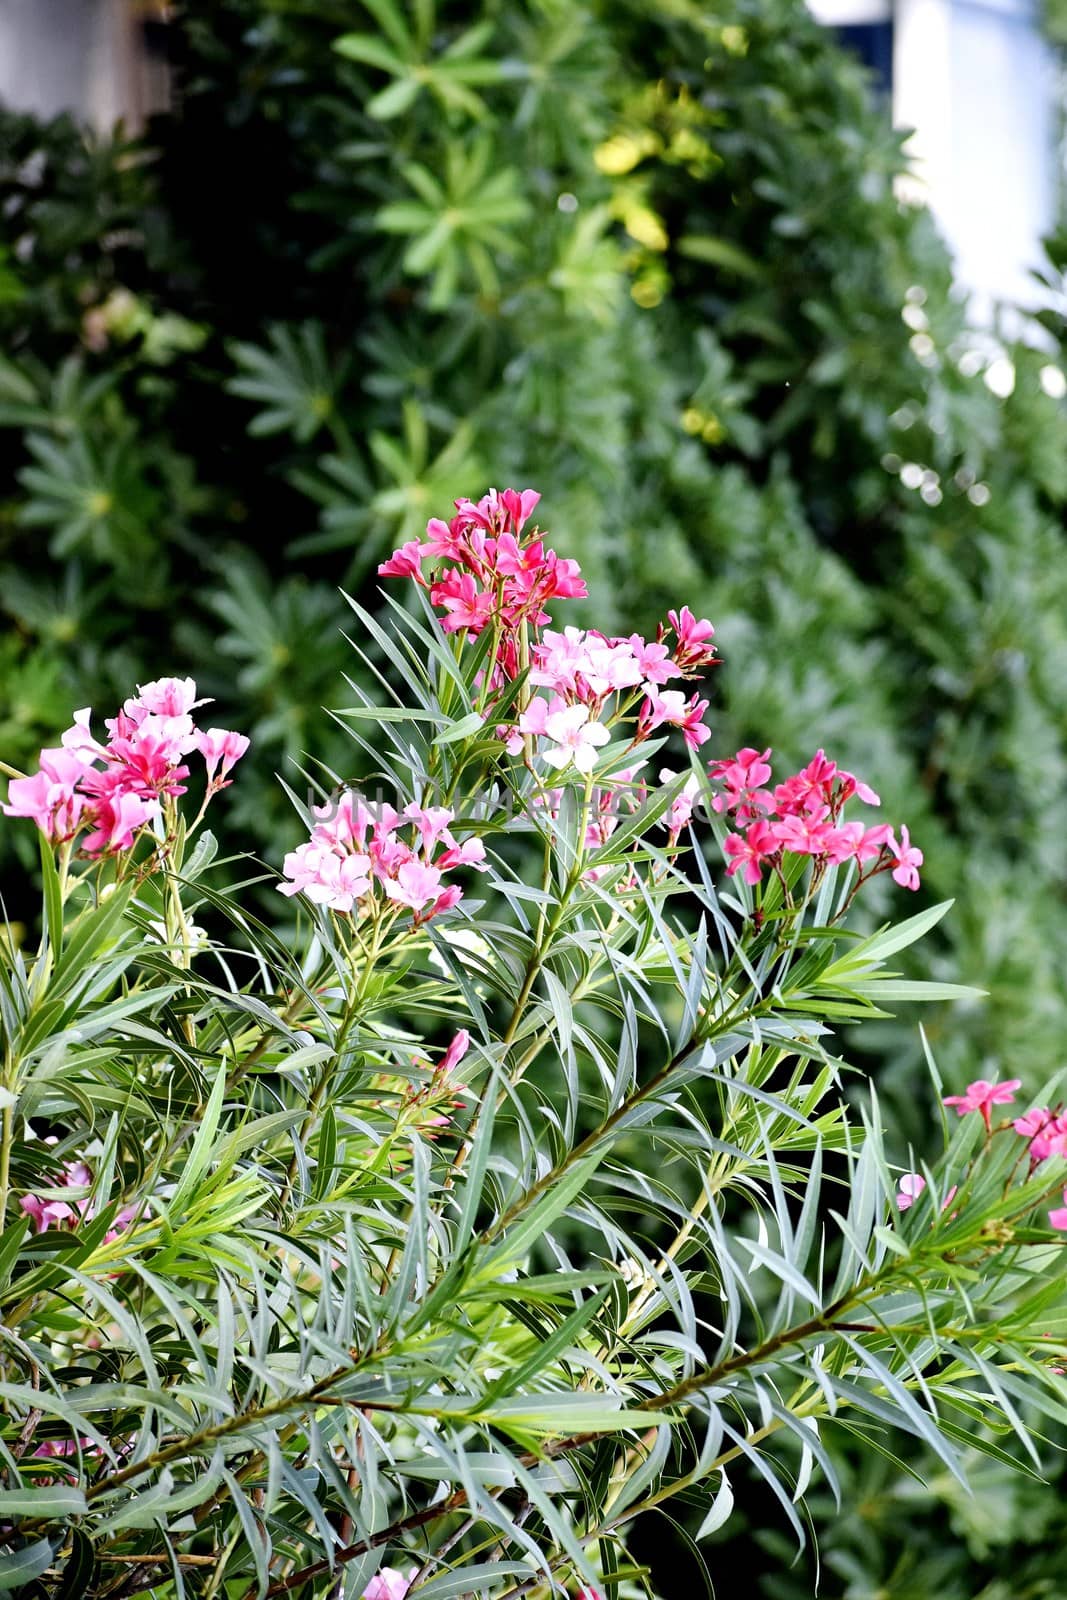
(574, 737)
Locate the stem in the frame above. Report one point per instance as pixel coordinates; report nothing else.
(530, 976)
(348, 1017)
(7, 1139)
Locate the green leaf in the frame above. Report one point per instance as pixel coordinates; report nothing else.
(20, 1567)
(45, 1501)
(200, 1152)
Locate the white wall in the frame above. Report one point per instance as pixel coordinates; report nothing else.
(71, 55)
(979, 85)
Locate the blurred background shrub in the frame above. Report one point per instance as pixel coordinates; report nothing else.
(650, 258)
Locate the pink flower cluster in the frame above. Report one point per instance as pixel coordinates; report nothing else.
(803, 816)
(483, 569)
(355, 850)
(47, 1214)
(108, 792)
(429, 1106)
(1043, 1127)
(1046, 1131)
(590, 675)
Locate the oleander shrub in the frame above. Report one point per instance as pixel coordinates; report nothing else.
(430, 1244)
(381, 253)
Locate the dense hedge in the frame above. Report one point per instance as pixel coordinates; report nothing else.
(650, 254)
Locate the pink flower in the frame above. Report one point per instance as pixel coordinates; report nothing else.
(804, 834)
(165, 697)
(445, 901)
(912, 1185)
(1046, 1132)
(431, 822)
(50, 798)
(443, 539)
(488, 515)
(671, 707)
(653, 660)
(79, 737)
(750, 850)
(573, 738)
(566, 581)
(389, 1584)
(145, 757)
(219, 744)
(117, 818)
(693, 648)
(853, 842)
(569, 730)
(520, 505)
(1058, 1218)
(908, 858)
(808, 790)
(848, 785)
(743, 776)
(406, 562)
(388, 854)
(415, 885)
(1053, 1142)
(466, 604)
(46, 1213)
(748, 769)
(680, 811)
(471, 853)
(586, 665)
(511, 558)
(54, 1213)
(328, 879)
(1032, 1121)
(58, 1449)
(981, 1095)
(455, 1052)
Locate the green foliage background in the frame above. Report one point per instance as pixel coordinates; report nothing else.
(646, 257)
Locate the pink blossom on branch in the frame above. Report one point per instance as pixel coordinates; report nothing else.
(1046, 1132)
(671, 708)
(165, 697)
(406, 562)
(749, 851)
(109, 793)
(466, 605)
(908, 860)
(118, 819)
(853, 842)
(805, 834)
(455, 1052)
(679, 813)
(50, 798)
(221, 745)
(356, 849)
(572, 736)
(982, 1095)
(743, 777)
(693, 647)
